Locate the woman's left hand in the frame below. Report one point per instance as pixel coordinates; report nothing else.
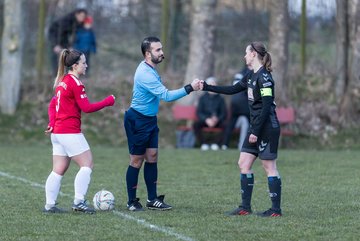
(252, 138)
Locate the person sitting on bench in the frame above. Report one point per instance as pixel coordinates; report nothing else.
(211, 112)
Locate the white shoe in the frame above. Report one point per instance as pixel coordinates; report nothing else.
(224, 147)
(205, 147)
(214, 147)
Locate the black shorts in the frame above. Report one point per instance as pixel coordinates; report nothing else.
(142, 131)
(266, 146)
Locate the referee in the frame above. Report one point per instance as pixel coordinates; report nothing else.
(141, 127)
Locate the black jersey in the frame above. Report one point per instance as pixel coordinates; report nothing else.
(261, 95)
(260, 87)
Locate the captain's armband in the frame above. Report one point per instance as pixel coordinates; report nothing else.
(266, 92)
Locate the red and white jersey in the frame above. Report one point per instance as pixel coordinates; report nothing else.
(66, 106)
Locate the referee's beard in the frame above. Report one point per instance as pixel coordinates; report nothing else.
(157, 60)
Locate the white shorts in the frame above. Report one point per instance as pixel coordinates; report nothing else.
(69, 144)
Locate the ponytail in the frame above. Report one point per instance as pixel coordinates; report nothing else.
(262, 53)
(267, 62)
(66, 60)
(61, 67)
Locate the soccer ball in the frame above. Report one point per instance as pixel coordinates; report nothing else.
(104, 200)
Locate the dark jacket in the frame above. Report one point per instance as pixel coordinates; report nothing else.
(62, 31)
(211, 104)
(85, 40)
(239, 102)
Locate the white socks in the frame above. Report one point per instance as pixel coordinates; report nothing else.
(53, 183)
(52, 188)
(81, 184)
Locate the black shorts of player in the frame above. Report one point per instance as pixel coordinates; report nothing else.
(142, 131)
(266, 146)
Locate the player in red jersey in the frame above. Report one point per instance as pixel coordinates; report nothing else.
(65, 127)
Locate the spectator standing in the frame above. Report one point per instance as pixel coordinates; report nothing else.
(62, 33)
(85, 40)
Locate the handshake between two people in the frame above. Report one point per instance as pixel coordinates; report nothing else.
(198, 84)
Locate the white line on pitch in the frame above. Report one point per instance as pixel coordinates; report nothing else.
(153, 227)
(118, 213)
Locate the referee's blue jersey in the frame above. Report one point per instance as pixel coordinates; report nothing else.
(148, 91)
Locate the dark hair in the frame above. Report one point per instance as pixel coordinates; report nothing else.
(146, 43)
(66, 60)
(263, 55)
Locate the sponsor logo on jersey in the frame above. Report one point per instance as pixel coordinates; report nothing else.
(249, 81)
(267, 84)
(83, 96)
(250, 94)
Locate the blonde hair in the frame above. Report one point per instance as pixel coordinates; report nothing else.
(66, 60)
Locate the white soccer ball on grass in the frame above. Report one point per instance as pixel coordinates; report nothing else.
(104, 201)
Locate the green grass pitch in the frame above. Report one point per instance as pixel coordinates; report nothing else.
(320, 197)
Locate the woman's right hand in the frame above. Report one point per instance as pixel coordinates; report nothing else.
(252, 138)
(48, 130)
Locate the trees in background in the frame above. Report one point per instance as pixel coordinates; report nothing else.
(202, 39)
(176, 18)
(40, 47)
(165, 19)
(342, 48)
(303, 27)
(278, 46)
(350, 104)
(189, 47)
(11, 56)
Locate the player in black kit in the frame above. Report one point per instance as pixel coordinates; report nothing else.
(264, 132)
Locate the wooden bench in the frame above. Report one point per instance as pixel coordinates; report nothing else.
(286, 116)
(187, 113)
